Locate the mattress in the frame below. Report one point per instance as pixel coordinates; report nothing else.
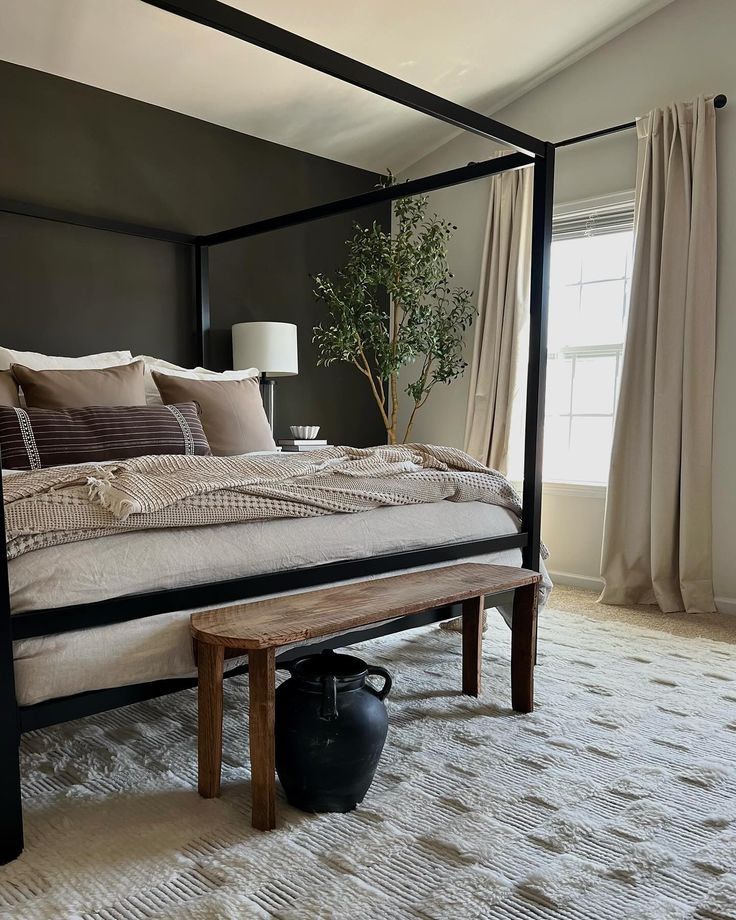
(159, 647)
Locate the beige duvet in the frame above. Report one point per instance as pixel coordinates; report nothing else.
(48, 507)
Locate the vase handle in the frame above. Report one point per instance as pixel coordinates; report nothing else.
(388, 683)
(329, 698)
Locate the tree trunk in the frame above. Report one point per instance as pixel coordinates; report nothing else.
(394, 409)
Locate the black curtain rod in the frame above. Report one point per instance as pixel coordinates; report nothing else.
(719, 102)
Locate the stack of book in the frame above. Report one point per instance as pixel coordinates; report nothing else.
(296, 445)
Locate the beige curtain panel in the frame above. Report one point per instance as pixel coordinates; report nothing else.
(503, 311)
(657, 538)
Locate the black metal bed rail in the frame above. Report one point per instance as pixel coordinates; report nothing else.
(542, 201)
(421, 186)
(11, 808)
(92, 222)
(26, 625)
(231, 21)
(80, 705)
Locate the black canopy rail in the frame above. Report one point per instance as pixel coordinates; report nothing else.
(719, 102)
(421, 186)
(262, 34)
(92, 222)
(530, 151)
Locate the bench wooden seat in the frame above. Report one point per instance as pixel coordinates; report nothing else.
(261, 627)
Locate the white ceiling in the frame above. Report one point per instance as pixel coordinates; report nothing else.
(481, 53)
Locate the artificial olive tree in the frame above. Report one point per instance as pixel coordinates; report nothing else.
(425, 325)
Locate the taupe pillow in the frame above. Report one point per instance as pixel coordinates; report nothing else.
(75, 389)
(34, 438)
(231, 411)
(8, 390)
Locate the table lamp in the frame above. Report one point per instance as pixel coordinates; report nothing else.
(272, 348)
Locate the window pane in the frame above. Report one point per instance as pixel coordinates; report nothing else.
(605, 256)
(564, 315)
(590, 449)
(594, 386)
(556, 452)
(565, 262)
(601, 313)
(559, 380)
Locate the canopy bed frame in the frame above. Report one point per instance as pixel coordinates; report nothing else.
(528, 151)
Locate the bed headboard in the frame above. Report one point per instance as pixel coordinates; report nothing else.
(72, 290)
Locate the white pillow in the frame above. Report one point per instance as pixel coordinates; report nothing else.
(153, 397)
(39, 362)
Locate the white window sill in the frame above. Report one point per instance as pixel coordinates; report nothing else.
(571, 489)
(576, 489)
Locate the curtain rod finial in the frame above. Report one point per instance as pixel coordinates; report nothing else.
(720, 101)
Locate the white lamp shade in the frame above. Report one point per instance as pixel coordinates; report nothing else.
(271, 347)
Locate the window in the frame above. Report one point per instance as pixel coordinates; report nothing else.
(589, 294)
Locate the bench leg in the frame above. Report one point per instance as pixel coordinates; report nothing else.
(262, 681)
(472, 645)
(523, 647)
(211, 659)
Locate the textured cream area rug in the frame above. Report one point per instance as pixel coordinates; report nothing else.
(615, 799)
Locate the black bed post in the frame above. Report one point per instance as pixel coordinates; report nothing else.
(11, 810)
(531, 522)
(202, 300)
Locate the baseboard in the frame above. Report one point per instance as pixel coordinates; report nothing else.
(726, 604)
(577, 581)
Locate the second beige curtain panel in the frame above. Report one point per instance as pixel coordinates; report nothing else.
(657, 540)
(503, 310)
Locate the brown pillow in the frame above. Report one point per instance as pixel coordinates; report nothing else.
(34, 438)
(8, 390)
(74, 389)
(231, 411)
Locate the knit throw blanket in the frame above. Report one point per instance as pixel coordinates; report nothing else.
(68, 504)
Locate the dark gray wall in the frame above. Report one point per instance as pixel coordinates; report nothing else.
(70, 290)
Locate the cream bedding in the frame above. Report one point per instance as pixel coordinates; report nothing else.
(160, 647)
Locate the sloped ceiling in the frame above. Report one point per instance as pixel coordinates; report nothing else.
(481, 53)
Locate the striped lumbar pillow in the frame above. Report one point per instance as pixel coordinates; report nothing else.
(34, 438)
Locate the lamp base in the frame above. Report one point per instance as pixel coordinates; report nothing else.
(267, 389)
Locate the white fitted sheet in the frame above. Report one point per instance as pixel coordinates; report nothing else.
(159, 647)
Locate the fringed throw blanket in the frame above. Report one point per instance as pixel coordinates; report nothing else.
(65, 505)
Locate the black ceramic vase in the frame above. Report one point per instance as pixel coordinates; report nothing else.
(331, 725)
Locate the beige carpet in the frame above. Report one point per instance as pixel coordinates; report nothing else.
(716, 626)
(615, 799)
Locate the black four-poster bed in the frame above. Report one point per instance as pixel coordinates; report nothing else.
(529, 151)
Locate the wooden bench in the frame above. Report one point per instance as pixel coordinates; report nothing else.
(261, 627)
